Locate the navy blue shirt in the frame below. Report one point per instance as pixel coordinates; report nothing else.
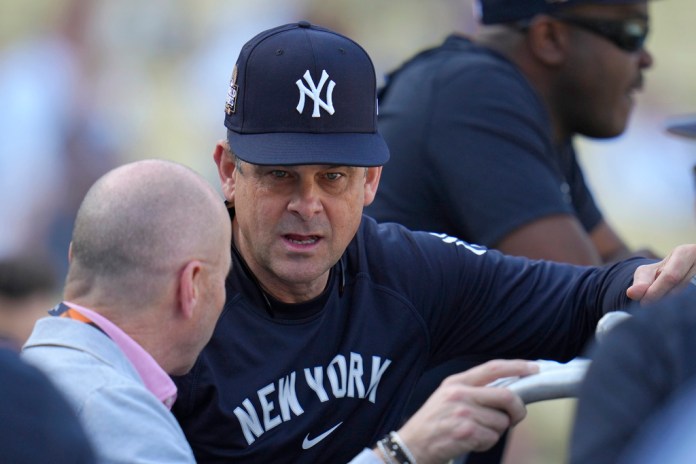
(321, 386)
(471, 148)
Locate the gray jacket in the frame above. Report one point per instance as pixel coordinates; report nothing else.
(125, 422)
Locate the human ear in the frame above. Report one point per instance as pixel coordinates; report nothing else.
(548, 40)
(371, 183)
(189, 288)
(225, 162)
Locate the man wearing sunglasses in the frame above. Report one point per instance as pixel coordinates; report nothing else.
(494, 117)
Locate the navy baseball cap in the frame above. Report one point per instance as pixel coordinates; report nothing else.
(303, 94)
(506, 11)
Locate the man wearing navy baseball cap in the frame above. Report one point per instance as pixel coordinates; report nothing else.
(331, 318)
(495, 116)
(501, 110)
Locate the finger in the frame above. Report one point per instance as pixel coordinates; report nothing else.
(497, 420)
(474, 436)
(502, 400)
(643, 277)
(487, 372)
(676, 271)
(482, 421)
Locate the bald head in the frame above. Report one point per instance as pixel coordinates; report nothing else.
(138, 225)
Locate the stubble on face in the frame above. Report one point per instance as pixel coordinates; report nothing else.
(295, 223)
(601, 80)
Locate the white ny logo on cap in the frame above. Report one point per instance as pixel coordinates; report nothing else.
(314, 93)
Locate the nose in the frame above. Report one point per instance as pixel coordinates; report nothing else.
(645, 59)
(306, 199)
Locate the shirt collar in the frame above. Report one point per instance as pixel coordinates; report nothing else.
(155, 379)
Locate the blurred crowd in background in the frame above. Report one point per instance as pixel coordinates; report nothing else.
(86, 85)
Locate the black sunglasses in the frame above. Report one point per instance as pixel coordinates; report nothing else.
(627, 34)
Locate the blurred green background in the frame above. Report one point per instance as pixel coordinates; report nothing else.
(134, 79)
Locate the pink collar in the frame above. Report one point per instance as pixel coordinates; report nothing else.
(154, 377)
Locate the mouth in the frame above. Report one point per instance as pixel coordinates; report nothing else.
(636, 87)
(631, 95)
(301, 240)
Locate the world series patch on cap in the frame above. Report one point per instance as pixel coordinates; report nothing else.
(303, 94)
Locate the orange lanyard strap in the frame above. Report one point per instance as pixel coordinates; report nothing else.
(63, 310)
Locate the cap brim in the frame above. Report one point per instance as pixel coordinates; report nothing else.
(683, 126)
(288, 149)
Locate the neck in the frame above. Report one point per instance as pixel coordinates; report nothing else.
(510, 44)
(139, 322)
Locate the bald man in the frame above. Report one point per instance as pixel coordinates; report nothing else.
(145, 287)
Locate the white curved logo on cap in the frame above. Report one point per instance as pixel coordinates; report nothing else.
(314, 93)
